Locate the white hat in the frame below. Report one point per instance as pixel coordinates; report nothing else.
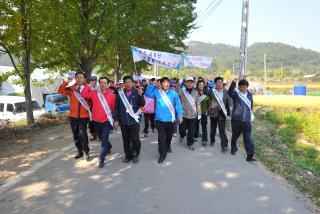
(189, 79)
(120, 81)
(224, 81)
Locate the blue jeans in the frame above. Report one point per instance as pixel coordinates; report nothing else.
(103, 131)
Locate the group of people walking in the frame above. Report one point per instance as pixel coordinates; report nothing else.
(167, 104)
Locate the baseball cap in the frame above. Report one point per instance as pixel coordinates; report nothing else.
(189, 79)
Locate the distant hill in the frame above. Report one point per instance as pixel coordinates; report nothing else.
(307, 61)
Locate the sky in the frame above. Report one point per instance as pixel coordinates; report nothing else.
(293, 22)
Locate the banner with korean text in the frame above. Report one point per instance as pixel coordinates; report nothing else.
(163, 59)
(197, 61)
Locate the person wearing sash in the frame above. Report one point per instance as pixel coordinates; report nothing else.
(204, 103)
(191, 111)
(167, 104)
(79, 113)
(93, 86)
(103, 105)
(128, 103)
(219, 110)
(241, 117)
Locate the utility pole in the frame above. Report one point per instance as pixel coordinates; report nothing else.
(244, 40)
(265, 72)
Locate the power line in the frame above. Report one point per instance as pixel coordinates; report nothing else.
(203, 12)
(210, 12)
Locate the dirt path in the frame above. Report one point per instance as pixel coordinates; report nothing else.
(19, 155)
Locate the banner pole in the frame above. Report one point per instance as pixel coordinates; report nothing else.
(135, 67)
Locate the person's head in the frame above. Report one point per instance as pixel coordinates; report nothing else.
(104, 83)
(128, 82)
(93, 81)
(218, 82)
(144, 82)
(224, 83)
(173, 85)
(80, 78)
(165, 83)
(200, 85)
(153, 79)
(120, 84)
(243, 85)
(189, 82)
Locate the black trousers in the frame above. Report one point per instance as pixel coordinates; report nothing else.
(221, 122)
(103, 131)
(147, 118)
(80, 136)
(190, 126)
(245, 128)
(91, 127)
(204, 122)
(165, 132)
(131, 140)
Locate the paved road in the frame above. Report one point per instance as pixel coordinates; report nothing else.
(200, 181)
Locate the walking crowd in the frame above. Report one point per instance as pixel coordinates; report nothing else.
(170, 106)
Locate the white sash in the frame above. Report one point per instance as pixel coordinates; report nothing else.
(202, 97)
(190, 99)
(167, 101)
(129, 108)
(105, 106)
(245, 99)
(83, 102)
(220, 101)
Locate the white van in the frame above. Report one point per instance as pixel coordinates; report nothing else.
(13, 108)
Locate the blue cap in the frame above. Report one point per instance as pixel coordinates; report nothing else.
(173, 84)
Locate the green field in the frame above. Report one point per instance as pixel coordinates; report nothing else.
(285, 101)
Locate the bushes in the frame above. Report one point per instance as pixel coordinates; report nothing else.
(298, 121)
(299, 129)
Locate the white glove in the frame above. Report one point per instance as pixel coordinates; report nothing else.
(199, 117)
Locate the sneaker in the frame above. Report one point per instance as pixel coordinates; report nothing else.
(146, 135)
(160, 160)
(233, 151)
(79, 155)
(126, 160)
(101, 164)
(250, 158)
(169, 150)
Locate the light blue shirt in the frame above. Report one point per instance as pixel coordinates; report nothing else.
(162, 112)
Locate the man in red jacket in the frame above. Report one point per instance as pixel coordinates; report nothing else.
(79, 112)
(103, 106)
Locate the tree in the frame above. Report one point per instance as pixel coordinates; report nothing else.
(18, 39)
(91, 34)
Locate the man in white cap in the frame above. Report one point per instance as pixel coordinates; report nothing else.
(224, 83)
(189, 98)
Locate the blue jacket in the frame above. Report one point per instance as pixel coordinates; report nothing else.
(121, 114)
(240, 111)
(162, 112)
